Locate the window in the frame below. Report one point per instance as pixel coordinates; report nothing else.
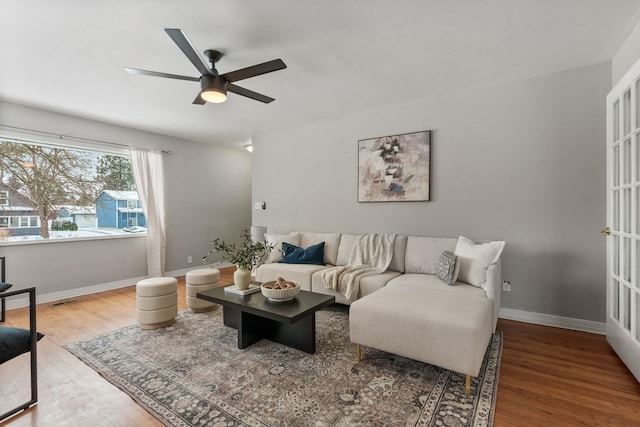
(19, 221)
(85, 189)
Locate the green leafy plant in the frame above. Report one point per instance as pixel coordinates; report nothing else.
(246, 256)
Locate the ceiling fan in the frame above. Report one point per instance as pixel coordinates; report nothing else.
(214, 86)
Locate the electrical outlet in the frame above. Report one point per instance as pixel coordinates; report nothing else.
(506, 286)
(189, 259)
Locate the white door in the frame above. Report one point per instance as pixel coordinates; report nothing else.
(623, 219)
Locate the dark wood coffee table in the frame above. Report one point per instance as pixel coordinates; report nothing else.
(292, 323)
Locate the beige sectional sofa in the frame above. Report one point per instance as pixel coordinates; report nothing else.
(407, 310)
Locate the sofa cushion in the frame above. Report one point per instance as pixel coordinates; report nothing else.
(331, 243)
(292, 254)
(300, 273)
(276, 240)
(475, 259)
(368, 285)
(411, 281)
(422, 253)
(347, 241)
(399, 250)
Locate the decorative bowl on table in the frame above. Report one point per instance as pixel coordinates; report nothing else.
(280, 290)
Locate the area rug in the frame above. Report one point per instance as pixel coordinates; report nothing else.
(193, 374)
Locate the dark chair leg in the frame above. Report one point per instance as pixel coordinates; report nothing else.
(34, 347)
(2, 274)
(33, 353)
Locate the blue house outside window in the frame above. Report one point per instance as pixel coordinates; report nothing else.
(119, 209)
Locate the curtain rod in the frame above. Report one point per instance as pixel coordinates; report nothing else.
(69, 137)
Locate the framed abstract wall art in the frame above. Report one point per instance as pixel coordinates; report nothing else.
(395, 168)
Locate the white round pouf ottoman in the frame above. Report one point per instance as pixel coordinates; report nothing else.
(200, 280)
(157, 302)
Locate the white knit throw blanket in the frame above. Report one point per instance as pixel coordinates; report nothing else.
(371, 254)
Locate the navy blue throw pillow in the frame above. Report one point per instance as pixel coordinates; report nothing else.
(292, 254)
(14, 342)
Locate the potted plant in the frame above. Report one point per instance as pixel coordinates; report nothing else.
(245, 257)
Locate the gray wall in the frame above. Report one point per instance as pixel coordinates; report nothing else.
(522, 162)
(626, 56)
(208, 194)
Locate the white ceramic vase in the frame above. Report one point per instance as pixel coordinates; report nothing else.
(241, 278)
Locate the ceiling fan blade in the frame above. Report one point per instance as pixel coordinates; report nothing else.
(248, 93)
(158, 74)
(256, 70)
(188, 49)
(199, 100)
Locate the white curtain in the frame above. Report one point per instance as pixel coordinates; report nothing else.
(148, 173)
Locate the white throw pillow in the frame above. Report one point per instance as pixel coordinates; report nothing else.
(475, 259)
(276, 240)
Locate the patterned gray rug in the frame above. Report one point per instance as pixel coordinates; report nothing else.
(192, 374)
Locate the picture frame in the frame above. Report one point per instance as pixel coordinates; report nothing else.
(395, 168)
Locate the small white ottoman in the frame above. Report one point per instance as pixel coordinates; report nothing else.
(200, 280)
(157, 302)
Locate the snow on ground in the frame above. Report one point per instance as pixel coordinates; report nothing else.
(83, 232)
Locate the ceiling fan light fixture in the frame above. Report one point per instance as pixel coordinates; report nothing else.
(214, 89)
(215, 96)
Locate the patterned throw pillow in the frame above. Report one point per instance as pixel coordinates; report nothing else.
(448, 268)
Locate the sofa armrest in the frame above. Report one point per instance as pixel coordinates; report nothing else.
(494, 289)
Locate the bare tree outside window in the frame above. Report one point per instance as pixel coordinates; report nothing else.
(48, 177)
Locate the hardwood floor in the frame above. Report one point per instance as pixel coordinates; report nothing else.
(548, 376)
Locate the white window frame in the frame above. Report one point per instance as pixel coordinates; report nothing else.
(4, 198)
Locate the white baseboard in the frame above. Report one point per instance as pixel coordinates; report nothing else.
(555, 321)
(86, 290)
(71, 293)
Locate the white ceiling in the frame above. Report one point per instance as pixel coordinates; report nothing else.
(342, 56)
